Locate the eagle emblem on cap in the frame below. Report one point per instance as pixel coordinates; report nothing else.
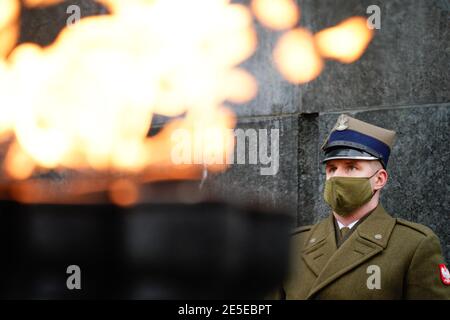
(342, 123)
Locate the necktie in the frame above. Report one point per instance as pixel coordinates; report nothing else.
(344, 232)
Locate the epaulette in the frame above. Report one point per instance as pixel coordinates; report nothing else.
(300, 230)
(415, 226)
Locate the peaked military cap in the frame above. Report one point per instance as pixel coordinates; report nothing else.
(355, 139)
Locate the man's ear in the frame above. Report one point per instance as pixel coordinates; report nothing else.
(380, 179)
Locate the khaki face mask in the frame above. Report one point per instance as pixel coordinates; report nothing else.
(346, 194)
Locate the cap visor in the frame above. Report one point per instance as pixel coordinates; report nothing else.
(348, 153)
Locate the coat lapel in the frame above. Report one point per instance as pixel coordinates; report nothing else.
(320, 245)
(369, 239)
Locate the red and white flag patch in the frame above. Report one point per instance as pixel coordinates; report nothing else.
(445, 274)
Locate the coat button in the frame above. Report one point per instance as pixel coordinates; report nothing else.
(378, 236)
(312, 240)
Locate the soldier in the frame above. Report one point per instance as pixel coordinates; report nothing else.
(360, 251)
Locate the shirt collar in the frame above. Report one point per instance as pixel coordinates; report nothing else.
(349, 226)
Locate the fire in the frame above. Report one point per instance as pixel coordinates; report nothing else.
(86, 102)
(345, 42)
(92, 94)
(40, 3)
(278, 14)
(9, 28)
(296, 56)
(124, 192)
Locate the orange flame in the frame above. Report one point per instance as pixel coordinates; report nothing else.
(92, 94)
(40, 3)
(345, 42)
(296, 56)
(86, 102)
(276, 14)
(124, 192)
(9, 28)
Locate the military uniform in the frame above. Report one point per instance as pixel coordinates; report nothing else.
(405, 257)
(381, 258)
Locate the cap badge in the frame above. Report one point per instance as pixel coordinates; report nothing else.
(445, 274)
(342, 123)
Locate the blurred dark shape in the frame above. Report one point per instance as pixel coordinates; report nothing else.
(175, 246)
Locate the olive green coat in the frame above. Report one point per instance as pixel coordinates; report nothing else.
(384, 258)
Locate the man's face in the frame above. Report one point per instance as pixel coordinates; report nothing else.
(351, 168)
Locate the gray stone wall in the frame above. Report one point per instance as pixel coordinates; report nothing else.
(402, 83)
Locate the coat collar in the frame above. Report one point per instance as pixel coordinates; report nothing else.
(320, 245)
(329, 263)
